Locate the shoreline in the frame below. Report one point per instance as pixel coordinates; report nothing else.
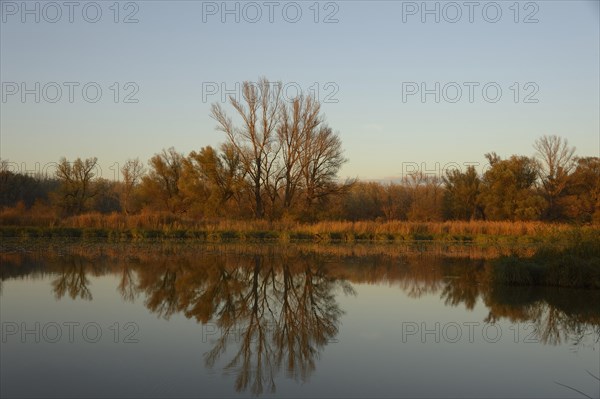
(478, 233)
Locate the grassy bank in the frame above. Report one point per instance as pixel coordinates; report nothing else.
(467, 232)
(571, 261)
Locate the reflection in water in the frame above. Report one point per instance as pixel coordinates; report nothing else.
(559, 315)
(281, 311)
(72, 279)
(275, 308)
(127, 284)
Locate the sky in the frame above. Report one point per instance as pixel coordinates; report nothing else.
(426, 85)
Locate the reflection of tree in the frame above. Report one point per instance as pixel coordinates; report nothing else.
(462, 287)
(255, 360)
(556, 316)
(127, 284)
(308, 317)
(278, 311)
(285, 315)
(72, 279)
(161, 293)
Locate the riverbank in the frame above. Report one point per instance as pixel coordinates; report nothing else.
(477, 232)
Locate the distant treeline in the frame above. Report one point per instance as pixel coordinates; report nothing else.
(281, 162)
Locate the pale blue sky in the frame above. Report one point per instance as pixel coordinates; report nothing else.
(366, 56)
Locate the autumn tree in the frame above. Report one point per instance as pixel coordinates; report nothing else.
(132, 171)
(161, 185)
(508, 190)
(427, 196)
(462, 191)
(76, 184)
(396, 201)
(581, 199)
(210, 179)
(556, 162)
(363, 202)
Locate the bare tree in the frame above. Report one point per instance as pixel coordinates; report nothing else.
(254, 141)
(321, 159)
(556, 158)
(286, 149)
(76, 183)
(299, 121)
(132, 172)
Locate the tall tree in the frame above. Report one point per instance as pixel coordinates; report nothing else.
(254, 141)
(508, 190)
(581, 201)
(460, 197)
(320, 161)
(299, 120)
(556, 157)
(132, 171)
(286, 149)
(161, 184)
(76, 187)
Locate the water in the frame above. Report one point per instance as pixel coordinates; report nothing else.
(181, 320)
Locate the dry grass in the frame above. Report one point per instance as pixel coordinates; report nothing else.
(438, 228)
(46, 217)
(37, 215)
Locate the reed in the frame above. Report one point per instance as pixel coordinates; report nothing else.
(19, 221)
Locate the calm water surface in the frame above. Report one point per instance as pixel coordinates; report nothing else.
(229, 320)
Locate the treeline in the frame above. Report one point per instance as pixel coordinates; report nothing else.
(517, 188)
(280, 161)
(204, 184)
